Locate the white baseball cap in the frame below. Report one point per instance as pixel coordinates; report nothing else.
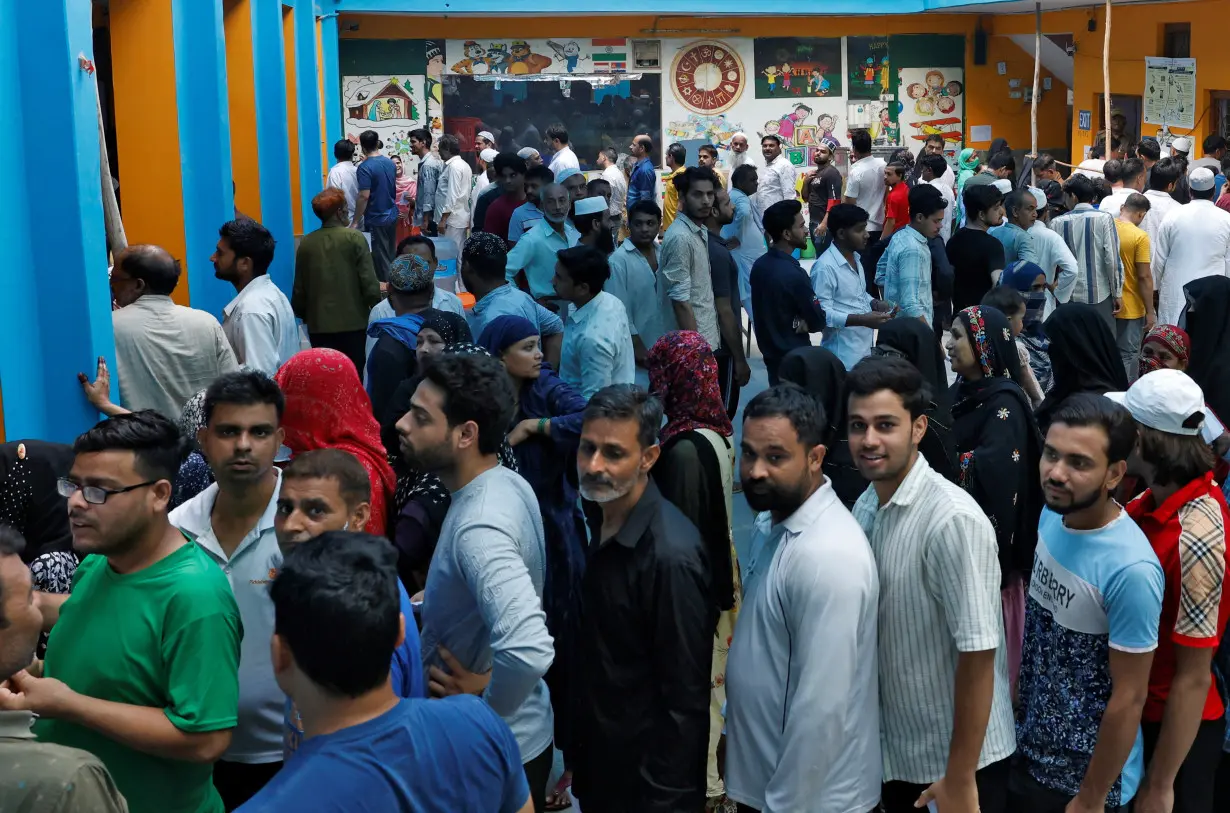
(1166, 400)
(1201, 179)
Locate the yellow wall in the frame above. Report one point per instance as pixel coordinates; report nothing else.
(241, 102)
(147, 128)
(989, 103)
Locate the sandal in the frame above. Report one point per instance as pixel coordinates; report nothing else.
(560, 798)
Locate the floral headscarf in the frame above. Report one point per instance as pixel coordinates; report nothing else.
(327, 408)
(683, 373)
(991, 336)
(450, 327)
(1174, 339)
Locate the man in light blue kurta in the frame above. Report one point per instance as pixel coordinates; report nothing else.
(597, 337)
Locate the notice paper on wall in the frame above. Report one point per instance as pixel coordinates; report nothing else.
(980, 132)
(1170, 91)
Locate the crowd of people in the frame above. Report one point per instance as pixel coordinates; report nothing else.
(475, 526)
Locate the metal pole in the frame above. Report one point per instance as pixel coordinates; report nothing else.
(1033, 111)
(1106, 82)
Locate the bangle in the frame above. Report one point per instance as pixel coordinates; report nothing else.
(542, 425)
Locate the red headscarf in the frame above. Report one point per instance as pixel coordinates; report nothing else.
(683, 373)
(1174, 339)
(327, 408)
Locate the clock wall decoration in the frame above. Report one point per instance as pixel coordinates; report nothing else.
(708, 76)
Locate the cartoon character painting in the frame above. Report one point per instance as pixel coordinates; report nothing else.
(786, 74)
(884, 74)
(869, 72)
(770, 75)
(524, 60)
(474, 58)
(497, 58)
(818, 85)
(888, 130)
(826, 124)
(786, 124)
(569, 53)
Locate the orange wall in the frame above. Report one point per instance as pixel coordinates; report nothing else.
(292, 116)
(147, 128)
(241, 101)
(987, 99)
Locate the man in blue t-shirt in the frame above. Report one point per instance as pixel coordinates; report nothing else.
(376, 207)
(1091, 623)
(337, 621)
(328, 490)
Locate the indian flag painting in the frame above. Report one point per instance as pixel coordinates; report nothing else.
(610, 55)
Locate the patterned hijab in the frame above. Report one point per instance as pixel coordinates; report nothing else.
(683, 373)
(450, 327)
(327, 408)
(991, 336)
(192, 419)
(1173, 339)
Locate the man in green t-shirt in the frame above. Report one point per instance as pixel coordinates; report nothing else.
(142, 663)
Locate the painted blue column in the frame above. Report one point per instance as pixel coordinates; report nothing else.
(273, 136)
(333, 81)
(54, 281)
(204, 143)
(307, 92)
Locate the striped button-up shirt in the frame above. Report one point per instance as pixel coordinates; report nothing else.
(904, 272)
(1093, 239)
(939, 596)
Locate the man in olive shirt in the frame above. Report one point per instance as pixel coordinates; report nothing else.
(37, 777)
(142, 664)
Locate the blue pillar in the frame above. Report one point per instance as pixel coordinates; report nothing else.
(307, 92)
(333, 81)
(273, 136)
(204, 143)
(54, 281)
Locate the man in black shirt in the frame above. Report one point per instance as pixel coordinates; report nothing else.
(733, 370)
(645, 627)
(974, 254)
(784, 306)
(822, 191)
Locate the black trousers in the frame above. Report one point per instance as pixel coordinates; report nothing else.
(353, 343)
(1027, 795)
(537, 772)
(899, 797)
(237, 782)
(726, 382)
(1194, 785)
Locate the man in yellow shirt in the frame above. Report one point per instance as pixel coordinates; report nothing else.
(1137, 314)
(676, 161)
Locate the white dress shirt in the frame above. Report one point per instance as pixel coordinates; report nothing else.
(842, 291)
(564, 159)
(258, 736)
(261, 326)
(1053, 253)
(1160, 205)
(865, 183)
(619, 190)
(950, 204)
(453, 193)
(802, 716)
(344, 176)
(597, 347)
(480, 186)
(776, 184)
(1192, 242)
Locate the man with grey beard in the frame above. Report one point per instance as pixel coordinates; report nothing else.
(645, 629)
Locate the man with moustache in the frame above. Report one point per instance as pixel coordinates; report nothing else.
(232, 521)
(945, 708)
(777, 178)
(645, 631)
(1091, 623)
(259, 321)
(142, 664)
(738, 151)
(483, 602)
(810, 594)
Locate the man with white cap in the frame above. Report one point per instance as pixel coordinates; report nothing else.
(484, 176)
(1181, 147)
(484, 141)
(535, 253)
(1184, 516)
(532, 157)
(1192, 242)
(486, 190)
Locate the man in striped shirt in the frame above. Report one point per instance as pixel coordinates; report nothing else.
(945, 715)
(1093, 238)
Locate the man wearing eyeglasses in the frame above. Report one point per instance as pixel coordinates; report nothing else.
(142, 663)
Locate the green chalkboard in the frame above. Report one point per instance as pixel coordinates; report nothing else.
(927, 51)
(358, 57)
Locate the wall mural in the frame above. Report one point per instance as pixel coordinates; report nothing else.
(932, 102)
(434, 88)
(707, 76)
(869, 68)
(797, 67)
(521, 57)
(390, 105)
(877, 118)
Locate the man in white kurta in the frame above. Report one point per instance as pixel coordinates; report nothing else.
(1192, 242)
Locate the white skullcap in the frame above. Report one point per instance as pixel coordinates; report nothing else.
(590, 206)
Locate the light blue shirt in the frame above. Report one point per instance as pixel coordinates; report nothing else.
(904, 272)
(746, 227)
(842, 291)
(535, 254)
(634, 283)
(597, 346)
(523, 219)
(509, 300)
(1018, 243)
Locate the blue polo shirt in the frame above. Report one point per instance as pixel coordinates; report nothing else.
(378, 175)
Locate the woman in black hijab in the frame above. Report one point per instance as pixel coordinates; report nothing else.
(821, 373)
(1207, 322)
(1084, 357)
(915, 342)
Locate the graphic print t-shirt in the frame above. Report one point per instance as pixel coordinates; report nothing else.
(1090, 592)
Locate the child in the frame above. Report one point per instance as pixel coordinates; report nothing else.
(1011, 303)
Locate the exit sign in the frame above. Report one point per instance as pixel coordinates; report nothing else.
(1085, 120)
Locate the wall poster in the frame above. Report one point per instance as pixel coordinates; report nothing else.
(390, 105)
(869, 69)
(877, 118)
(932, 102)
(707, 77)
(797, 67)
(1170, 91)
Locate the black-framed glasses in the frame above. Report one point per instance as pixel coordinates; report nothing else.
(94, 495)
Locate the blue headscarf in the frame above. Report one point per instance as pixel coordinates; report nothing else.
(404, 328)
(503, 331)
(1021, 275)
